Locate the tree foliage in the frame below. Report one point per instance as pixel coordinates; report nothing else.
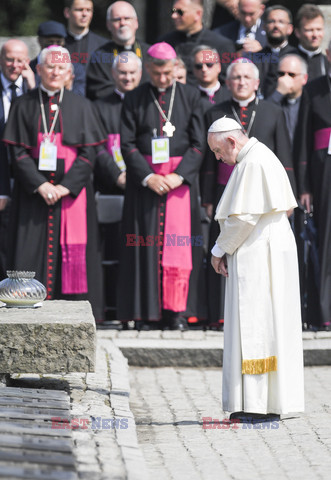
(22, 17)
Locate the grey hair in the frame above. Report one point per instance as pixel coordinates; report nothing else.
(303, 63)
(110, 8)
(208, 48)
(60, 51)
(125, 57)
(242, 60)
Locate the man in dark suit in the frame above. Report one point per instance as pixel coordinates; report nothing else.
(122, 23)
(80, 41)
(16, 78)
(247, 33)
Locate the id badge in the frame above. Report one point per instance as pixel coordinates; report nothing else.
(160, 150)
(47, 156)
(329, 149)
(118, 158)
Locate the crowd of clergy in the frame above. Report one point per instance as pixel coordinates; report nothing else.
(121, 117)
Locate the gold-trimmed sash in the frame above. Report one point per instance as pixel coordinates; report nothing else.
(258, 366)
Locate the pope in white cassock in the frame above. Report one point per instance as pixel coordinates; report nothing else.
(256, 251)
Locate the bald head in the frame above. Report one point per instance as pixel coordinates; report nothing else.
(250, 11)
(14, 57)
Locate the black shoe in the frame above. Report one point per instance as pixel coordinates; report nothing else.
(245, 417)
(178, 323)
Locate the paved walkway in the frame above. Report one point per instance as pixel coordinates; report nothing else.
(147, 423)
(169, 405)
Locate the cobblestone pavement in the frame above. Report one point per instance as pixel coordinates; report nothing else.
(169, 405)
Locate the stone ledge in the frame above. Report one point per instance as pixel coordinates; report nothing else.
(59, 337)
(205, 353)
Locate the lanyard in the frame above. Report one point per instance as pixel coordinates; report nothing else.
(252, 117)
(171, 104)
(46, 133)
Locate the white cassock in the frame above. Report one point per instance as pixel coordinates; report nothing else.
(263, 356)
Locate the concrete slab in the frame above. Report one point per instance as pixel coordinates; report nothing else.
(58, 337)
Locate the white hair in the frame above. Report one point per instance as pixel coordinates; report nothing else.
(242, 60)
(110, 8)
(125, 57)
(61, 55)
(238, 134)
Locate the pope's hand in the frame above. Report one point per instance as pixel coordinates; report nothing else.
(220, 265)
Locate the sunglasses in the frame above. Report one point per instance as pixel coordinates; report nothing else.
(199, 66)
(179, 11)
(290, 74)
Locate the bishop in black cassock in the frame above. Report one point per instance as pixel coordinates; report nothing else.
(56, 239)
(162, 236)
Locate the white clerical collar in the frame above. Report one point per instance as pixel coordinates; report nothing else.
(244, 103)
(160, 90)
(252, 141)
(50, 93)
(119, 93)
(278, 49)
(6, 83)
(210, 91)
(310, 53)
(78, 36)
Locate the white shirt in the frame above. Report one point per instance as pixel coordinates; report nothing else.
(252, 33)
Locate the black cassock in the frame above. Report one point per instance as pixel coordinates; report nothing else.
(221, 95)
(109, 111)
(140, 292)
(314, 176)
(269, 127)
(35, 226)
(99, 78)
(185, 44)
(317, 64)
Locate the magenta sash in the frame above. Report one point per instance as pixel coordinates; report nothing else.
(73, 233)
(177, 250)
(114, 140)
(223, 172)
(322, 138)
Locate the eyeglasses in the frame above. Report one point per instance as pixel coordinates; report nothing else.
(199, 66)
(118, 19)
(179, 11)
(290, 74)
